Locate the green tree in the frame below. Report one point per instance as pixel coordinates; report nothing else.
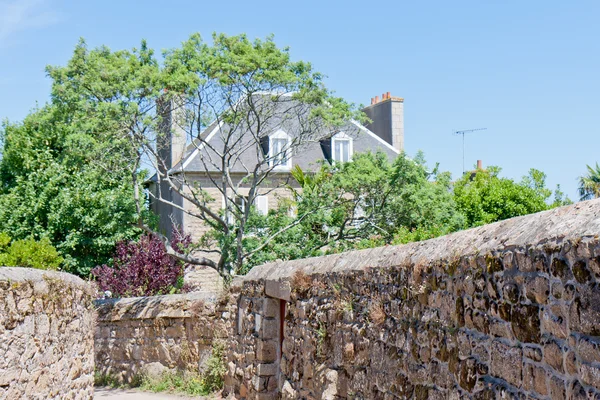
(484, 197)
(367, 202)
(126, 95)
(62, 179)
(589, 184)
(28, 253)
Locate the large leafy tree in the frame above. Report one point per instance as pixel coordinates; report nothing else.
(57, 184)
(589, 184)
(126, 95)
(371, 202)
(367, 202)
(485, 197)
(66, 170)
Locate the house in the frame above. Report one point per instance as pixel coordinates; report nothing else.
(197, 163)
(193, 183)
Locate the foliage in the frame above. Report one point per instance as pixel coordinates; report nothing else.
(74, 171)
(28, 253)
(56, 182)
(142, 268)
(371, 202)
(110, 381)
(484, 197)
(364, 203)
(178, 382)
(214, 368)
(189, 383)
(589, 184)
(124, 96)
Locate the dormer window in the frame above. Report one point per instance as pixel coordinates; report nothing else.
(280, 157)
(341, 147)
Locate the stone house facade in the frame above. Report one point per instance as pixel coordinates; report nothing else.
(191, 160)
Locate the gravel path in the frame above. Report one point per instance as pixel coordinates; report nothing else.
(132, 394)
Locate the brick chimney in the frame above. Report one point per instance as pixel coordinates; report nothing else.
(387, 116)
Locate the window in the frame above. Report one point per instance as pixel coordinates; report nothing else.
(341, 147)
(279, 151)
(261, 203)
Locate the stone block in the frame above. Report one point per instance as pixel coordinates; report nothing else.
(557, 388)
(278, 289)
(267, 350)
(537, 289)
(525, 320)
(553, 355)
(288, 392)
(554, 321)
(534, 379)
(266, 369)
(589, 349)
(533, 353)
(270, 329)
(590, 375)
(267, 396)
(506, 363)
(584, 313)
(270, 308)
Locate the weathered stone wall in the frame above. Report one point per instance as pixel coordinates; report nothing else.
(149, 335)
(46, 335)
(508, 310)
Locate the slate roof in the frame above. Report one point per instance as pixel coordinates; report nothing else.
(291, 117)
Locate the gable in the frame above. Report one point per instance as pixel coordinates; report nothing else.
(202, 157)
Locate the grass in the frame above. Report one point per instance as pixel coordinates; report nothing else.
(106, 380)
(183, 382)
(177, 382)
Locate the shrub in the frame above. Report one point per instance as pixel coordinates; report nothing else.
(212, 378)
(28, 253)
(143, 268)
(191, 383)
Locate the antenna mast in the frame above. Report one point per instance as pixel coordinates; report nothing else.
(463, 141)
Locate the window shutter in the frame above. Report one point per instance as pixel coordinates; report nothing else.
(262, 204)
(326, 147)
(264, 144)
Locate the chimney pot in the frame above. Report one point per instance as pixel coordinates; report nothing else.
(479, 164)
(376, 99)
(388, 95)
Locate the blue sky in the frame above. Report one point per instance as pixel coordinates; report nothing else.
(528, 71)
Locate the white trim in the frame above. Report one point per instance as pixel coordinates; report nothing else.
(261, 203)
(280, 134)
(274, 93)
(389, 146)
(197, 149)
(342, 137)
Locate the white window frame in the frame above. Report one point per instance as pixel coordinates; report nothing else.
(279, 135)
(261, 203)
(342, 137)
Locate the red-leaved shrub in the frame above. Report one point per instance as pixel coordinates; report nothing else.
(142, 268)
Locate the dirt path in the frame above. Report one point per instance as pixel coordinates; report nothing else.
(132, 394)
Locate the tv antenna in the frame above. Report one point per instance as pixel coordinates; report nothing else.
(463, 140)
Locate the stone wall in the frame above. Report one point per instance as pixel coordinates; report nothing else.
(508, 310)
(149, 335)
(46, 335)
